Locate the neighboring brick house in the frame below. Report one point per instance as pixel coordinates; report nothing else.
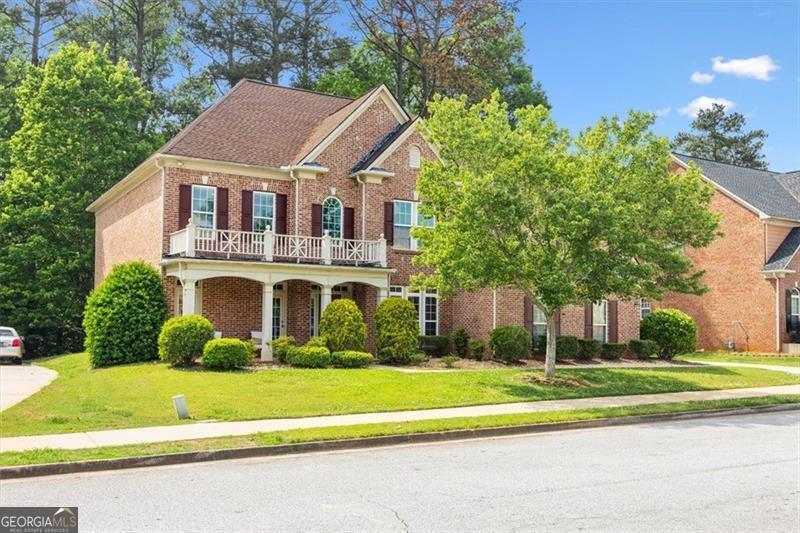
(753, 302)
(297, 198)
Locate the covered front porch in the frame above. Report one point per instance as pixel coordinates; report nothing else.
(263, 301)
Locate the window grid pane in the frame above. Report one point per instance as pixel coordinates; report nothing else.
(263, 211)
(332, 218)
(203, 207)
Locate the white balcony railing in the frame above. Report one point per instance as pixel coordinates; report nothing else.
(268, 246)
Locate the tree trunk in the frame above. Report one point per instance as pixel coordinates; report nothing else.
(36, 32)
(140, 22)
(550, 354)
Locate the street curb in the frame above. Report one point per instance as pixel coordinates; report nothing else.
(25, 471)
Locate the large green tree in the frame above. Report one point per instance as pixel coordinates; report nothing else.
(720, 136)
(12, 72)
(519, 202)
(79, 134)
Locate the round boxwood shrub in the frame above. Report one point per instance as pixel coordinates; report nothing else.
(351, 359)
(309, 356)
(567, 347)
(280, 347)
(225, 354)
(460, 340)
(588, 349)
(674, 331)
(643, 349)
(476, 348)
(613, 350)
(318, 342)
(124, 314)
(434, 345)
(510, 343)
(397, 328)
(183, 338)
(342, 324)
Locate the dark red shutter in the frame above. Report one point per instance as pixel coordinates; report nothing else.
(349, 229)
(184, 205)
(588, 321)
(388, 222)
(316, 220)
(222, 208)
(247, 210)
(280, 214)
(613, 321)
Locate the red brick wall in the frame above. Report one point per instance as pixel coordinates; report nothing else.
(740, 303)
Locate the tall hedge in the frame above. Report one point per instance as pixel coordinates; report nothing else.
(342, 324)
(397, 331)
(124, 314)
(673, 330)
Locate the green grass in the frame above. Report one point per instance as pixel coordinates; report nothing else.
(374, 430)
(752, 358)
(84, 399)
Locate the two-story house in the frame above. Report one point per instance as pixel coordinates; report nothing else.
(275, 201)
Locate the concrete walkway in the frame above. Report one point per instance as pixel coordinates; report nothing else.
(777, 368)
(118, 437)
(19, 382)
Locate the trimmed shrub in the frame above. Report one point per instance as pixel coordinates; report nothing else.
(567, 347)
(588, 349)
(450, 360)
(124, 314)
(396, 330)
(510, 343)
(318, 342)
(417, 359)
(460, 340)
(643, 349)
(674, 331)
(434, 345)
(280, 347)
(613, 350)
(225, 354)
(183, 338)
(309, 356)
(351, 359)
(342, 324)
(476, 348)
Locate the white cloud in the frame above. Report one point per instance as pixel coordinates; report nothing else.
(701, 78)
(704, 102)
(759, 68)
(662, 112)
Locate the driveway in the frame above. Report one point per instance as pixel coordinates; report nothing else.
(733, 473)
(19, 382)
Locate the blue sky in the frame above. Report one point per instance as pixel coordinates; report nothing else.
(597, 59)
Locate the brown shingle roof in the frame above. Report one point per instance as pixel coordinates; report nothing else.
(261, 124)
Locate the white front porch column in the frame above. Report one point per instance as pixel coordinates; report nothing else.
(189, 286)
(266, 322)
(382, 294)
(325, 298)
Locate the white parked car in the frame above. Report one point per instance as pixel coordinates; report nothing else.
(11, 345)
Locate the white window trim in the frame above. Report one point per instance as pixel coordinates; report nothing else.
(213, 213)
(595, 323)
(535, 323)
(644, 304)
(397, 291)
(794, 296)
(414, 243)
(253, 209)
(341, 217)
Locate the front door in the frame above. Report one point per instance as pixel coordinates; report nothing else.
(278, 317)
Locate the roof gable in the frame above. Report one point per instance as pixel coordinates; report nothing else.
(760, 190)
(786, 251)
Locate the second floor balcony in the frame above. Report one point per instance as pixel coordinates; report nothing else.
(267, 246)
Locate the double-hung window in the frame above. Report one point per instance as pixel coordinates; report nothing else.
(332, 218)
(539, 327)
(600, 321)
(263, 211)
(204, 202)
(407, 216)
(644, 307)
(426, 304)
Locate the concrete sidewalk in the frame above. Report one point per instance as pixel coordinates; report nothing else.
(118, 437)
(777, 368)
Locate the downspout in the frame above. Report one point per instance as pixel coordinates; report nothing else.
(363, 207)
(777, 316)
(163, 185)
(494, 308)
(296, 200)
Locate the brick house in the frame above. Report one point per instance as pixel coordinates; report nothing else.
(275, 201)
(752, 270)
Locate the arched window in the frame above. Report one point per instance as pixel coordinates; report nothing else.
(332, 217)
(414, 157)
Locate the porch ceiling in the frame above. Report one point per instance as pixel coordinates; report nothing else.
(263, 272)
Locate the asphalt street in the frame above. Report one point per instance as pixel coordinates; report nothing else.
(721, 474)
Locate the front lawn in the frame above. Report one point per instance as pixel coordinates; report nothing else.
(732, 357)
(84, 399)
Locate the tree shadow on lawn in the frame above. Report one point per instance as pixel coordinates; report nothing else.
(617, 382)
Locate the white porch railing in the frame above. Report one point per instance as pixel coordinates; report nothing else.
(268, 246)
